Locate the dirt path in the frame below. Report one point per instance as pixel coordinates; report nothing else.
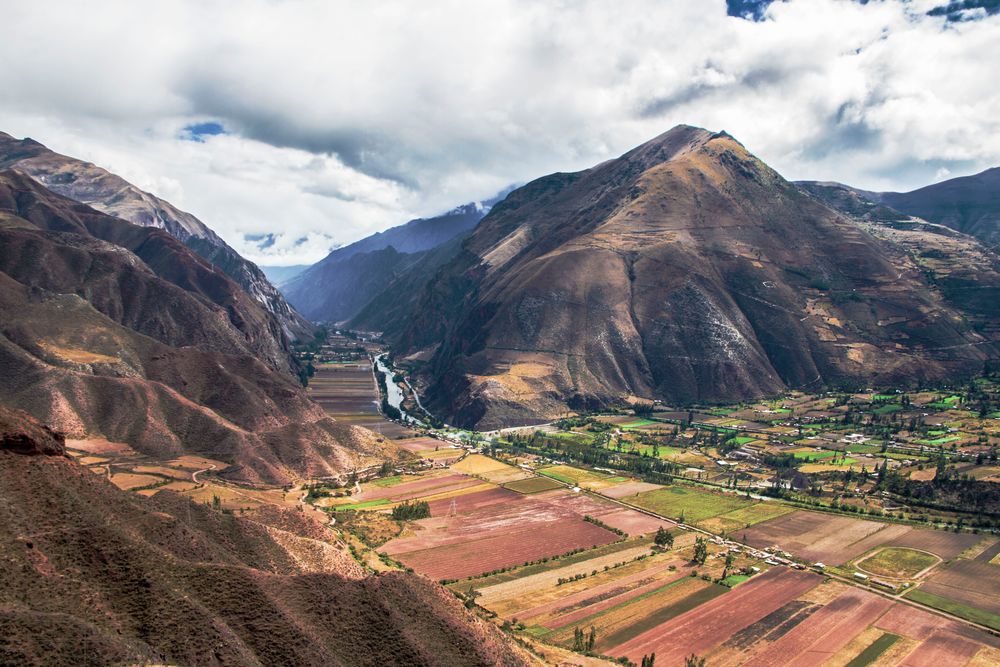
(194, 475)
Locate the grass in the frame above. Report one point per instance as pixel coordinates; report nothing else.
(939, 441)
(873, 651)
(385, 482)
(897, 562)
(734, 580)
(886, 409)
(864, 449)
(742, 439)
(639, 422)
(533, 485)
(693, 504)
(739, 519)
(368, 504)
(957, 608)
(575, 476)
(813, 455)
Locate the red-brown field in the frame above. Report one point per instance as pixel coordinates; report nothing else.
(626, 594)
(467, 503)
(344, 389)
(613, 514)
(423, 444)
(923, 626)
(712, 623)
(494, 529)
(940, 543)
(578, 602)
(633, 522)
(503, 549)
(940, 649)
(827, 538)
(417, 489)
(628, 489)
(970, 582)
(819, 637)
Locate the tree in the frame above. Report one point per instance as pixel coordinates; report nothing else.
(730, 559)
(648, 660)
(694, 661)
(663, 538)
(700, 551)
(578, 640)
(591, 639)
(470, 597)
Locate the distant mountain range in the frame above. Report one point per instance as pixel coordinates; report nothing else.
(282, 274)
(347, 280)
(687, 270)
(968, 204)
(111, 194)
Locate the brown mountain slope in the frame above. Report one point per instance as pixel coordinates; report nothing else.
(160, 295)
(686, 270)
(98, 343)
(96, 576)
(113, 195)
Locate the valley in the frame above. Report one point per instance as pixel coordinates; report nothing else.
(789, 513)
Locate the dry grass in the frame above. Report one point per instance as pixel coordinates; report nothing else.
(128, 481)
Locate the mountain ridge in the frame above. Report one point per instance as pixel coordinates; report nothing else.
(97, 187)
(685, 270)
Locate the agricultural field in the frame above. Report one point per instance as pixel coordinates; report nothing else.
(743, 518)
(585, 479)
(347, 392)
(691, 503)
(533, 485)
(897, 562)
(490, 469)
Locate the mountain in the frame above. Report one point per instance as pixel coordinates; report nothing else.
(115, 331)
(968, 204)
(345, 281)
(94, 576)
(282, 274)
(111, 194)
(686, 270)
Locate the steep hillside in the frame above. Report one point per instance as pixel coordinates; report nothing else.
(96, 576)
(686, 270)
(345, 281)
(115, 331)
(968, 204)
(111, 194)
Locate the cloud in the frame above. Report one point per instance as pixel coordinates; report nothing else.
(327, 121)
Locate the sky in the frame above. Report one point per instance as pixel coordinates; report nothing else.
(293, 126)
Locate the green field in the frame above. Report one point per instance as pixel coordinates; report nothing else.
(864, 449)
(734, 580)
(813, 455)
(897, 562)
(694, 504)
(745, 516)
(939, 441)
(579, 476)
(741, 439)
(886, 409)
(639, 422)
(533, 485)
(873, 651)
(368, 504)
(958, 609)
